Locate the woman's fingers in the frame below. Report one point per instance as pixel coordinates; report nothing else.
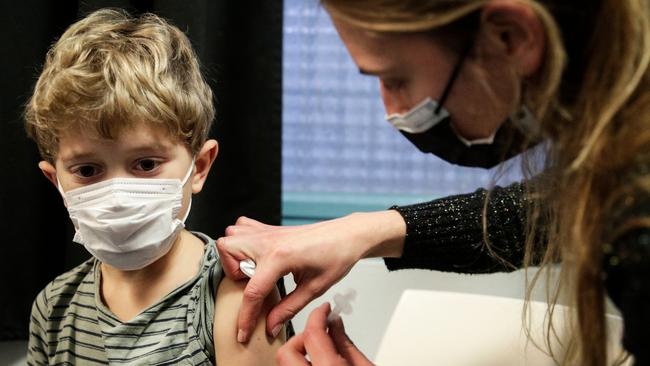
(344, 345)
(258, 288)
(293, 352)
(317, 255)
(241, 241)
(247, 221)
(318, 343)
(229, 261)
(331, 348)
(234, 230)
(291, 304)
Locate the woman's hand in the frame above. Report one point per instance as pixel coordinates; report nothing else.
(318, 255)
(324, 347)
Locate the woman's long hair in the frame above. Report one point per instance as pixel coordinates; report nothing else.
(592, 98)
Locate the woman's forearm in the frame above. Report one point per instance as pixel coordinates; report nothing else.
(383, 233)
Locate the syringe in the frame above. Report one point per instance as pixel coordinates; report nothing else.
(342, 304)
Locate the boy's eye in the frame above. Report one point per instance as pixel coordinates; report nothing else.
(86, 171)
(147, 165)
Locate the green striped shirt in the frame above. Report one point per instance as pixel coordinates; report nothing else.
(70, 325)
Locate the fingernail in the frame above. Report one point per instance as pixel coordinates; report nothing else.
(241, 336)
(276, 330)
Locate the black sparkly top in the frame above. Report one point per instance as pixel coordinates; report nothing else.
(447, 235)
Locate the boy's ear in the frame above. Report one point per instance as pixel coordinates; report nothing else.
(203, 163)
(49, 171)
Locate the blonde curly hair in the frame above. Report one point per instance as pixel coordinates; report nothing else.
(110, 71)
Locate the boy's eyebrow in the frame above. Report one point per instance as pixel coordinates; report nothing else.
(148, 148)
(154, 146)
(77, 156)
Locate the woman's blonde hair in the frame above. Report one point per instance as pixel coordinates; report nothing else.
(110, 71)
(595, 113)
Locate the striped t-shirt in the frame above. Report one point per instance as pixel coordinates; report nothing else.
(70, 325)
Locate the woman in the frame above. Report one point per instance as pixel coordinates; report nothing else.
(476, 82)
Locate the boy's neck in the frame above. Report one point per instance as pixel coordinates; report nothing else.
(127, 293)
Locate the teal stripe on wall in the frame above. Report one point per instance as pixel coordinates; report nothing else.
(304, 208)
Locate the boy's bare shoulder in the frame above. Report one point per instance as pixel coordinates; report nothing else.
(261, 348)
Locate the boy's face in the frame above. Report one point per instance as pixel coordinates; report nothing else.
(144, 151)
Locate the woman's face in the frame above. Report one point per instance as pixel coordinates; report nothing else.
(413, 66)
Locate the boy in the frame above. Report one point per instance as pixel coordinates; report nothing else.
(121, 116)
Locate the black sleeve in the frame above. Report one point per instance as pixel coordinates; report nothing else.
(627, 268)
(447, 234)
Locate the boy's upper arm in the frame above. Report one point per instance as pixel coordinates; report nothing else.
(261, 349)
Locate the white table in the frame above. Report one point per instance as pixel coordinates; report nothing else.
(457, 329)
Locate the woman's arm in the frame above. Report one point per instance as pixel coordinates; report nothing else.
(447, 234)
(318, 255)
(260, 349)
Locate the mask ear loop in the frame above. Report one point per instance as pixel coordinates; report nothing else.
(523, 118)
(189, 172)
(183, 182)
(59, 187)
(454, 74)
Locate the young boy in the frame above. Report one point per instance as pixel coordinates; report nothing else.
(121, 116)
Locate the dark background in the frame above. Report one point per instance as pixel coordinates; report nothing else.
(239, 44)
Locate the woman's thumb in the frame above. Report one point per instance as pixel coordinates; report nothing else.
(344, 345)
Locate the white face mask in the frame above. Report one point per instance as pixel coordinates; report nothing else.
(128, 223)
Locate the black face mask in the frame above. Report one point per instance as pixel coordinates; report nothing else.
(442, 141)
(428, 126)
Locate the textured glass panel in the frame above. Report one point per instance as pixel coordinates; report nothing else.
(335, 137)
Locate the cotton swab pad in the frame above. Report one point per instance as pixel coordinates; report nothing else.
(247, 267)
